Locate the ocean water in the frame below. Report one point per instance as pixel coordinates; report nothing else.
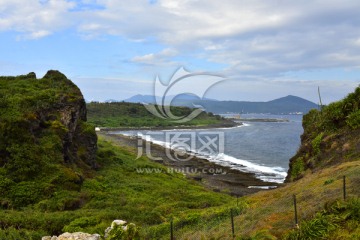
(263, 148)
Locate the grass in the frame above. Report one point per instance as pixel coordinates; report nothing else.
(117, 191)
(151, 201)
(273, 211)
(340, 220)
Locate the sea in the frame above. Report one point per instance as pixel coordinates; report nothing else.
(262, 148)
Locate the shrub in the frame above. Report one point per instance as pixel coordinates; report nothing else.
(297, 167)
(316, 143)
(80, 224)
(353, 120)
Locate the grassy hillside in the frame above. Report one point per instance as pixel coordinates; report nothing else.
(331, 136)
(123, 114)
(118, 191)
(322, 212)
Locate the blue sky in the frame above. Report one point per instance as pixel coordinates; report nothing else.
(113, 49)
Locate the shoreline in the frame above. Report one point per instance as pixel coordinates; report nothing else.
(209, 174)
(261, 120)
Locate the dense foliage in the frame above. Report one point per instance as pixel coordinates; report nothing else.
(335, 116)
(124, 114)
(330, 136)
(36, 158)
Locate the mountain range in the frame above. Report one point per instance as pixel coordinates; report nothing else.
(285, 105)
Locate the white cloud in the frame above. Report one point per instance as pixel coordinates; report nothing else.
(251, 37)
(161, 57)
(34, 19)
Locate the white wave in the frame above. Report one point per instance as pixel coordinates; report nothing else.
(122, 133)
(264, 173)
(262, 187)
(202, 129)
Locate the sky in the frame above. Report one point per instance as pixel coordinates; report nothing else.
(114, 49)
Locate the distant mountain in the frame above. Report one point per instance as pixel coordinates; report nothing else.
(111, 100)
(141, 99)
(284, 105)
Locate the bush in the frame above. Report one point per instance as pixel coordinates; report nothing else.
(297, 168)
(353, 120)
(316, 143)
(81, 224)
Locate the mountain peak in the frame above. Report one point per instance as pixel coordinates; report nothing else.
(292, 99)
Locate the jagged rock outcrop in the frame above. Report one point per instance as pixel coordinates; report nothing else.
(72, 113)
(46, 145)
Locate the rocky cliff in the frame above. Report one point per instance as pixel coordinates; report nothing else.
(46, 146)
(331, 136)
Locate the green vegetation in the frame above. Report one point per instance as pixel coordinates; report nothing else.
(52, 180)
(330, 136)
(297, 168)
(37, 162)
(118, 233)
(316, 143)
(55, 176)
(270, 214)
(123, 114)
(335, 116)
(118, 191)
(340, 220)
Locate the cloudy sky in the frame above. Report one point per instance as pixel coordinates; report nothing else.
(113, 49)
